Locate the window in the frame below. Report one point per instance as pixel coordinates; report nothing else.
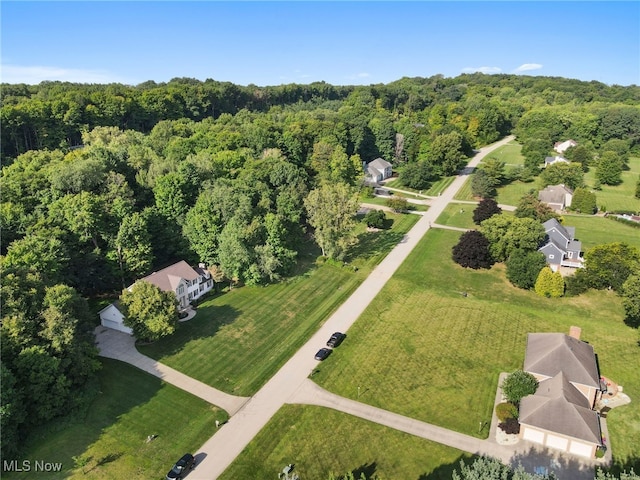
(181, 290)
(570, 254)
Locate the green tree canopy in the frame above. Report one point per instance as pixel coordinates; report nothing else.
(569, 174)
(472, 251)
(331, 209)
(150, 312)
(506, 234)
(524, 266)
(518, 385)
(549, 283)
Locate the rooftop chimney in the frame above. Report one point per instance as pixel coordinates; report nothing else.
(575, 332)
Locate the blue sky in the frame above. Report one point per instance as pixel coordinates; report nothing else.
(342, 43)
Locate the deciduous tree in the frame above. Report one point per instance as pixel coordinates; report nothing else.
(569, 174)
(530, 207)
(150, 312)
(609, 169)
(518, 385)
(630, 293)
(487, 208)
(331, 209)
(506, 234)
(584, 201)
(524, 266)
(472, 251)
(609, 265)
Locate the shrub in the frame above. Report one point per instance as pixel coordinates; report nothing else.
(398, 204)
(506, 410)
(517, 385)
(510, 426)
(375, 218)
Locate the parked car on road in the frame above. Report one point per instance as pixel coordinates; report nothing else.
(323, 353)
(182, 467)
(336, 339)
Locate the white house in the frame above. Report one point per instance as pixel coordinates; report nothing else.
(557, 159)
(186, 282)
(377, 170)
(561, 147)
(111, 317)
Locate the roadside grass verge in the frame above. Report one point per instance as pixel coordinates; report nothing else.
(382, 201)
(239, 339)
(619, 197)
(423, 350)
(458, 215)
(112, 433)
(321, 442)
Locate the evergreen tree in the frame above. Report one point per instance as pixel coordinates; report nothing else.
(549, 284)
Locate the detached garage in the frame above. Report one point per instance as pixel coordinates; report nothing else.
(111, 317)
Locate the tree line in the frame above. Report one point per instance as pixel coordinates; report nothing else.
(102, 184)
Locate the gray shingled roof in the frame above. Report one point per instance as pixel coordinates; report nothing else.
(379, 164)
(554, 194)
(559, 407)
(551, 353)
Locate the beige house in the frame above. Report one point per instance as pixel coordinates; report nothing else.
(561, 147)
(561, 413)
(557, 197)
(186, 282)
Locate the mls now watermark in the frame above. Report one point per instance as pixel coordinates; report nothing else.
(30, 466)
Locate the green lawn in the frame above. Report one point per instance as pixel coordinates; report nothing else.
(596, 230)
(512, 193)
(620, 197)
(458, 215)
(436, 188)
(510, 154)
(131, 405)
(321, 442)
(441, 353)
(238, 340)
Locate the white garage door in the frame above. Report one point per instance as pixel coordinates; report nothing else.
(533, 435)
(579, 448)
(557, 442)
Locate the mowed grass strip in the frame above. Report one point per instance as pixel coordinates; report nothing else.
(596, 230)
(321, 442)
(131, 405)
(619, 197)
(238, 340)
(424, 350)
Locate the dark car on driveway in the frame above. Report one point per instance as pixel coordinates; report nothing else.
(182, 467)
(336, 339)
(323, 353)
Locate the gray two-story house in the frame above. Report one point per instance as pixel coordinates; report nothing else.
(561, 248)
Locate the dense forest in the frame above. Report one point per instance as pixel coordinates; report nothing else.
(102, 184)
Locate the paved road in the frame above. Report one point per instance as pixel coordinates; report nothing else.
(233, 437)
(291, 384)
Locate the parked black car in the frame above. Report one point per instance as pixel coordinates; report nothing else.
(323, 353)
(336, 339)
(182, 467)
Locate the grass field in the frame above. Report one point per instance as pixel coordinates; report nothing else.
(592, 230)
(112, 435)
(443, 352)
(510, 154)
(433, 191)
(238, 340)
(620, 197)
(321, 442)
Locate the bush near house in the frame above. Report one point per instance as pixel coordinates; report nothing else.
(506, 410)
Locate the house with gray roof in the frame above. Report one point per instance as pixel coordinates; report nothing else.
(186, 282)
(557, 197)
(561, 248)
(561, 413)
(377, 170)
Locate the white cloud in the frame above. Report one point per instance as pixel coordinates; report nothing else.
(525, 67)
(358, 76)
(487, 70)
(32, 75)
